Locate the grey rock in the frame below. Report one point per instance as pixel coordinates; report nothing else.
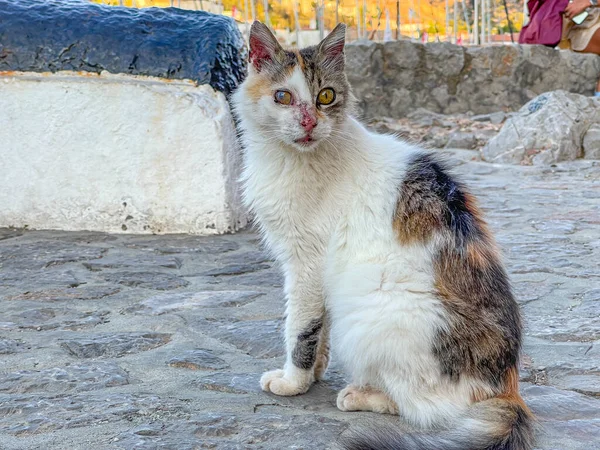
(571, 434)
(150, 280)
(36, 279)
(498, 118)
(591, 142)
(30, 256)
(81, 237)
(383, 127)
(59, 380)
(199, 359)
(461, 156)
(546, 130)
(549, 403)
(567, 420)
(436, 138)
(113, 345)
(587, 383)
(279, 430)
(172, 244)
(231, 383)
(168, 303)
(137, 261)
(483, 136)
(178, 436)
(529, 291)
(251, 257)
(67, 294)
(570, 366)
(579, 319)
(41, 319)
(426, 118)
(229, 431)
(258, 338)
(235, 269)
(263, 278)
(9, 233)
(30, 414)
(547, 255)
(217, 425)
(494, 118)
(9, 346)
(558, 227)
(461, 139)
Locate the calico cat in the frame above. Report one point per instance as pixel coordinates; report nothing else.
(383, 250)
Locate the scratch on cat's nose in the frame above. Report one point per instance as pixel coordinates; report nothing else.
(309, 120)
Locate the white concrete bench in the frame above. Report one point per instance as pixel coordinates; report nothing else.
(116, 153)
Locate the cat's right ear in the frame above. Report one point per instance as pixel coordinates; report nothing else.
(263, 45)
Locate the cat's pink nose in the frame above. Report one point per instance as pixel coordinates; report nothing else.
(309, 121)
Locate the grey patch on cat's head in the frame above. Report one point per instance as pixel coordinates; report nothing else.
(324, 67)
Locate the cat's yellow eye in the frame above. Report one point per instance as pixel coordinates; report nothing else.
(326, 96)
(283, 97)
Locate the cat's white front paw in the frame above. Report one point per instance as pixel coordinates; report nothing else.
(278, 383)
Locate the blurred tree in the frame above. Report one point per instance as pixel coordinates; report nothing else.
(415, 15)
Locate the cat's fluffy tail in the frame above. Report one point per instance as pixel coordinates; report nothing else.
(495, 424)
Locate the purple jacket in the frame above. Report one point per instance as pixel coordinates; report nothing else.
(545, 24)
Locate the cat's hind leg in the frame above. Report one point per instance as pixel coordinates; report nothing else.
(354, 398)
(323, 350)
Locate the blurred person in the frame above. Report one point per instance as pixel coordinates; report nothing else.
(585, 36)
(568, 24)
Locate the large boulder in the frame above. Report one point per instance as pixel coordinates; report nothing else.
(591, 142)
(76, 35)
(556, 126)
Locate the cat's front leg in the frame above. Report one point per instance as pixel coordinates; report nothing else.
(305, 336)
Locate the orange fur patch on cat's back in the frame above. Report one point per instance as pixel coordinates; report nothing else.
(483, 334)
(416, 218)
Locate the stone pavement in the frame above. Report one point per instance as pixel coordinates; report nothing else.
(158, 342)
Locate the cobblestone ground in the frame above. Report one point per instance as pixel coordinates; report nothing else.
(147, 342)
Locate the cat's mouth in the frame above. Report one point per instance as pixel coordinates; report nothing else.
(306, 140)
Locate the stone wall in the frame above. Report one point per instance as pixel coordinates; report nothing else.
(394, 78)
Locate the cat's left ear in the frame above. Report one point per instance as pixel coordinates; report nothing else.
(331, 48)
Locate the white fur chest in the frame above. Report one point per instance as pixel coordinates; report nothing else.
(383, 311)
(294, 197)
(380, 293)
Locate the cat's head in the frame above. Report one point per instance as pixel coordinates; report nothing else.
(295, 97)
